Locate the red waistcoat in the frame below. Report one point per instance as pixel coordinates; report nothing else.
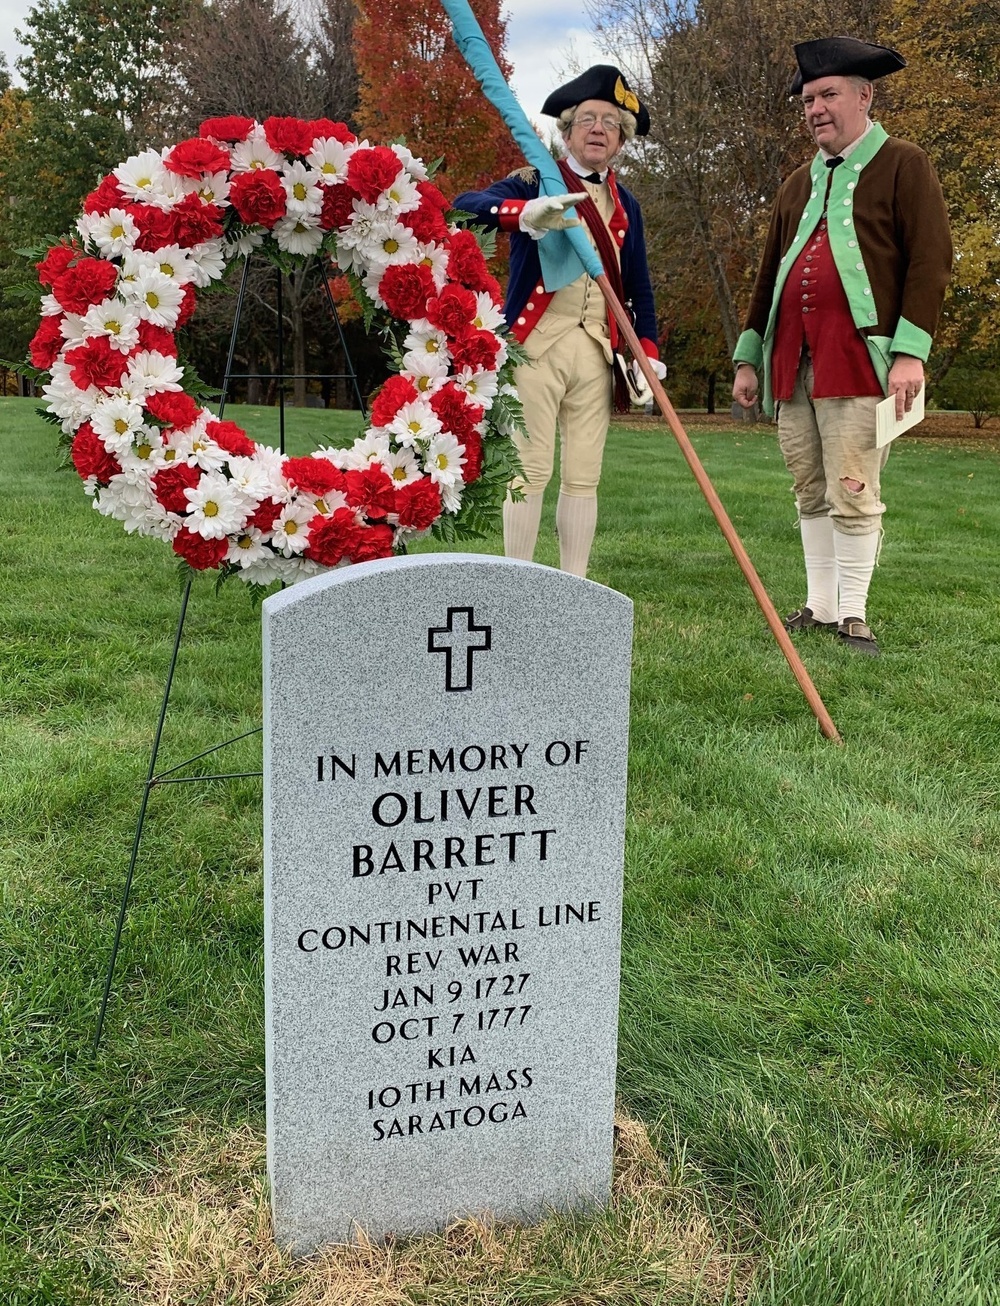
(814, 313)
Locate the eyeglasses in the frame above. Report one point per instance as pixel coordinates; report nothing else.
(608, 121)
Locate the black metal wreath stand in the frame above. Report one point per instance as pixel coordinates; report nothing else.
(169, 776)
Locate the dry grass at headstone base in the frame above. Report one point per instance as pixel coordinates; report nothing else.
(199, 1230)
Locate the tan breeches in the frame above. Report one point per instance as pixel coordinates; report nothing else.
(569, 387)
(829, 448)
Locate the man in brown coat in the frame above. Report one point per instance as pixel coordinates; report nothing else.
(843, 312)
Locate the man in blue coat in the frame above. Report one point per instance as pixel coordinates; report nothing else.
(569, 336)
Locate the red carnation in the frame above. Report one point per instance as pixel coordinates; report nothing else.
(338, 206)
(46, 343)
(313, 475)
(371, 490)
(194, 221)
(90, 281)
(196, 155)
(475, 349)
(156, 227)
(453, 412)
(405, 287)
(396, 392)
(230, 129)
(95, 362)
(418, 504)
(232, 438)
(371, 172)
(373, 542)
(289, 135)
(56, 261)
(90, 458)
(453, 310)
(427, 223)
(173, 408)
(332, 538)
(157, 338)
(198, 552)
(258, 196)
(465, 260)
(265, 515)
(473, 465)
(188, 304)
(429, 192)
(492, 288)
(325, 128)
(170, 483)
(108, 195)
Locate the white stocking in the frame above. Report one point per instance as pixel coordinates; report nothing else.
(856, 555)
(576, 521)
(520, 526)
(821, 567)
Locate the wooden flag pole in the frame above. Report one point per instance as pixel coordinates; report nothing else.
(721, 516)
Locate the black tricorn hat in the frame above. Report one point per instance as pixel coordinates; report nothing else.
(843, 56)
(601, 82)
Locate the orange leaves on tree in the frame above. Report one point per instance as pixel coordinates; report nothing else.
(416, 85)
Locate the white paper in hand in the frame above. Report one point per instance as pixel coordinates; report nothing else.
(886, 425)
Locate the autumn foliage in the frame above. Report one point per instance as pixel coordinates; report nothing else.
(416, 85)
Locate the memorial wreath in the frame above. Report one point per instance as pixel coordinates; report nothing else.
(437, 452)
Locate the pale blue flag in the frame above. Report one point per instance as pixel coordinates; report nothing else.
(564, 255)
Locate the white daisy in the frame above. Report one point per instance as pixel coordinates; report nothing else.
(248, 547)
(174, 263)
(254, 153)
(149, 372)
(155, 297)
(73, 330)
(400, 196)
(419, 363)
(480, 386)
(255, 481)
(415, 421)
(402, 467)
(144, 177)
(50, 306)
(245, 245)
(329, 158)
(215, 507)
(303, 190)
(116, 320)
(298, 234)
(434, 257)
(144, 457)
(290, 533)
(427, 382)
(445, 459)
(113, 232)
(213, 187)
(196, 448)
(371, 448)
(414, 166)
(274, 567)
(116, 421)
(488, 316)
(208, 261)
(451, 496)
(325, 504)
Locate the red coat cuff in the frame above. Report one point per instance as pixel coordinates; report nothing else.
(508, 214)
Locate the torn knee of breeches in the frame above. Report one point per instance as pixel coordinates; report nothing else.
(851, 485)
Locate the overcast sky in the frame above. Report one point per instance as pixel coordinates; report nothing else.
(544, 37)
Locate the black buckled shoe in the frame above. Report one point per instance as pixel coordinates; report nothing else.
(803, 619)
(856, 633)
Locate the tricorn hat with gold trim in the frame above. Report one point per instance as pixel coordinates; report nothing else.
(843, 56)
(601, 82)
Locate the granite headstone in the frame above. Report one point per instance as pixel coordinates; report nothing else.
(446, 742)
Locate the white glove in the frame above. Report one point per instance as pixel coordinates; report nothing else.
(659, 369)
(643, 392)
(546, 214)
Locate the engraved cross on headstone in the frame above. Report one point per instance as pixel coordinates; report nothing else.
(459, 637)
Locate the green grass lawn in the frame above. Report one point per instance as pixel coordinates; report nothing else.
(810, 1020)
